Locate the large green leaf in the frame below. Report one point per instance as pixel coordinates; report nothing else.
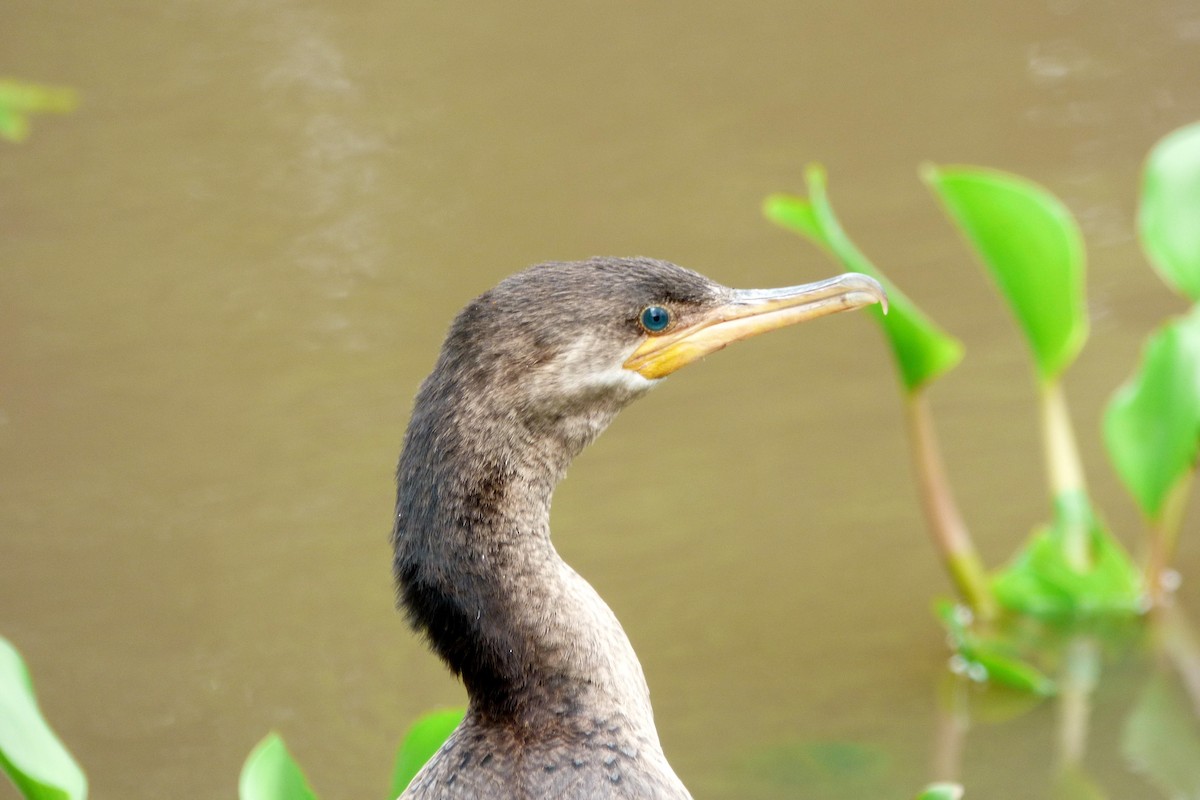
(423, 739)
(1033, 249)
(30, 753)
(1042, 582)
(1152, 424)
(1169, 217)
(270, 773)
(923, 351)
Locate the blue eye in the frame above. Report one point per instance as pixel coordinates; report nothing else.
(655, 319)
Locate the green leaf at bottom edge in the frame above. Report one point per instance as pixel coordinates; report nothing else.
(941, 791)
(423, 739)
(30, 753)
(270, 773)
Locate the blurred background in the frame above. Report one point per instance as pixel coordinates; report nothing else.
(223, 277)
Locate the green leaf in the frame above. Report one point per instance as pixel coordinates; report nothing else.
(923, 351)
(18, 100)
(270, 773)
(941, 791)
(1169, 217)
(1041, 582)
(423, 739)
(13, 125)
(31, 755)
(1161, 739)
(36, 98)
(797, 214)
(1030, 243)
(1009, 670)
(1152, 424)
(990, 658)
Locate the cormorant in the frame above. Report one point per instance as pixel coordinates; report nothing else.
(530, 373)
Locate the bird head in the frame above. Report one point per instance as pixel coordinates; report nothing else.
(585, 338)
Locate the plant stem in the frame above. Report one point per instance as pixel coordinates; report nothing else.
(1065, 473)
(950, 534)
(1163, 533)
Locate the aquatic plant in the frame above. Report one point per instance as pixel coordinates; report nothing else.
(1071, 591)
(1152, 424)
(923, 352)
(1071, 567)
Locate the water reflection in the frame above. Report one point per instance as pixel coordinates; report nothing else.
(1159, 735)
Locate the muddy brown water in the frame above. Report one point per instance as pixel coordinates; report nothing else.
(223, 277)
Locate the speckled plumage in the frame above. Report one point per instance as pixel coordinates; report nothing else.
(529, 374)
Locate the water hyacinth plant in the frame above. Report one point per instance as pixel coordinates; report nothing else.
(1071, 591)
(1152, 424)
(1034, 252)
(923, 352)
(1031, 246)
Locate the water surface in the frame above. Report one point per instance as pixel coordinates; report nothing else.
(222, 279)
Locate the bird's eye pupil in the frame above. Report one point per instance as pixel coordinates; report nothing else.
(655, 319)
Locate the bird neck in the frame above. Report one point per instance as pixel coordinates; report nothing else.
(535, 645)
